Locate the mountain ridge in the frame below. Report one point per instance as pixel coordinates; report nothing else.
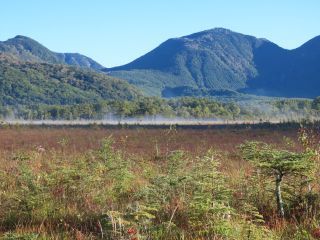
(33, 83)
(220, 59)
(214, 61)
(28, 49)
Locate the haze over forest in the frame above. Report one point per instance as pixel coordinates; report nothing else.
(213, 72)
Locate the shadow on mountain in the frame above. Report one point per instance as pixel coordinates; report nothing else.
(286, 73)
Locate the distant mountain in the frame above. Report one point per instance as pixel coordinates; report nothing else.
(219, 60)
(28, 83)
(27, 49)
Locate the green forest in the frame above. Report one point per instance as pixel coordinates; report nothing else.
(186, 107)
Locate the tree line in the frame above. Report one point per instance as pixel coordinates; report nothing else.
(186, 107)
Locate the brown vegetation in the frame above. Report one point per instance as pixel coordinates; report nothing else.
(139, 141)
(99, 183)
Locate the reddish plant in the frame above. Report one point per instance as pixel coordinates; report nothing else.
(132, 231)
(316, 233)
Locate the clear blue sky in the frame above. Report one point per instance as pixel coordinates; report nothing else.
(114, 32)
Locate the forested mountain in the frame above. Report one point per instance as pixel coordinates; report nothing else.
(216, 62)
(27, 49)
(219, 61)
(27, 83)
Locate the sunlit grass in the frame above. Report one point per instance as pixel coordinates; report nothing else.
(146, 184)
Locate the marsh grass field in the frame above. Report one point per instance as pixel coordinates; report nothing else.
(140, 141)
(97, 182)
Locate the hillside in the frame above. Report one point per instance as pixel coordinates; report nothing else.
(28, 83)
(27, 49)
(220, 60)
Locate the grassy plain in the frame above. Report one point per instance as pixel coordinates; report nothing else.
(147, 183)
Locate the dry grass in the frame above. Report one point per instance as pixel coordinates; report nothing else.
(50, 150)
(140, 142)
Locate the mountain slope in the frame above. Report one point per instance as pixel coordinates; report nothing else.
(288, 73)
(27, 49)
(28, 83)
(218, 60)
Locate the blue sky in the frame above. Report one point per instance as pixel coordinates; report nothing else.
(114, 32)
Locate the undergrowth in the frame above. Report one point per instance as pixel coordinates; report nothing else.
(106, 194)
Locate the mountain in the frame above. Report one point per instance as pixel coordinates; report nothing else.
(219, 60)
(27, 49)
(28, 83)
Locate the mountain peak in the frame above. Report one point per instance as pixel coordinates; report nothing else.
(24, 42)
(220, 30)
(210, 32)
(216, 31)
(219, 59)
(314, 43)
(21, 37)
(28, 49)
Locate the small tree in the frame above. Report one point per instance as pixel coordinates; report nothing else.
(316, 104)
(277, 163)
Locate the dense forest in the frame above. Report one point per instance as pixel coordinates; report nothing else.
(187, 107)
(25, 83)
